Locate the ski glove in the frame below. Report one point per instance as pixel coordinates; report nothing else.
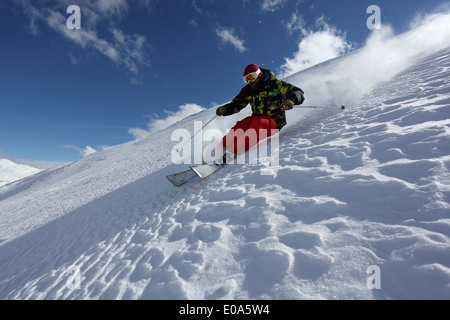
(221, 111)
(287, 104)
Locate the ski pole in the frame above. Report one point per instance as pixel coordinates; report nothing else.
(204, 126)
(319, 107)
(195, 133)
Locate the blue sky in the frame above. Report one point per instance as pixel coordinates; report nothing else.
(136, 61)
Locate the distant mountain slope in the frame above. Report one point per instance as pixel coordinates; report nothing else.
(10, 171)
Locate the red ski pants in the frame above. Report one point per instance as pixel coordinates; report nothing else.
(248, 132)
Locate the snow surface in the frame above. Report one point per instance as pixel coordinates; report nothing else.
(10, 171)
(366, 187)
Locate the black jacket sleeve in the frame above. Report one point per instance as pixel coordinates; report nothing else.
(297, 95)
(238, 103)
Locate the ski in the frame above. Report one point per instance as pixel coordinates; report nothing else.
(206, 169)
(200, 170)
(180, 178)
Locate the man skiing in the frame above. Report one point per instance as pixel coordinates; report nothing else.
(269, 99)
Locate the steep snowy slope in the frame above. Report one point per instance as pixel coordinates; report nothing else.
(365, 189)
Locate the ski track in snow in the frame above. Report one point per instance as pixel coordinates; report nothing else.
(368, 186)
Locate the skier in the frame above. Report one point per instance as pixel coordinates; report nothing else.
(269, 99)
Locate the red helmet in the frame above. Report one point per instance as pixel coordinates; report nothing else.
(251, 73)
(250, 69)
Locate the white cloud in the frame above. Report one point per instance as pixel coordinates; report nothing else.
(196, 7)
(84, 38)
(156, 124)
(383, 57)
(228, 37)
(272, 5)
(126, 50)
(379, 60)
(115, 7)
(295, 24)
(82, 152)
(33, 14)
(315, 46)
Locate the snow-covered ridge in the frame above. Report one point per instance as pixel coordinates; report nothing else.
(10, 171)
(364, 188)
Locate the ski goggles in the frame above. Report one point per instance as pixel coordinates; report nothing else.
(252, 76)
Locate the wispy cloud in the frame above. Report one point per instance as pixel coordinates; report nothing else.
(115, 7)
(193, 23)
(228, 37)
(196, 7)
(296, 23)
(126, 50)
(272, 5)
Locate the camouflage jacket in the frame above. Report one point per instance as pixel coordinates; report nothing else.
(267, 101)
